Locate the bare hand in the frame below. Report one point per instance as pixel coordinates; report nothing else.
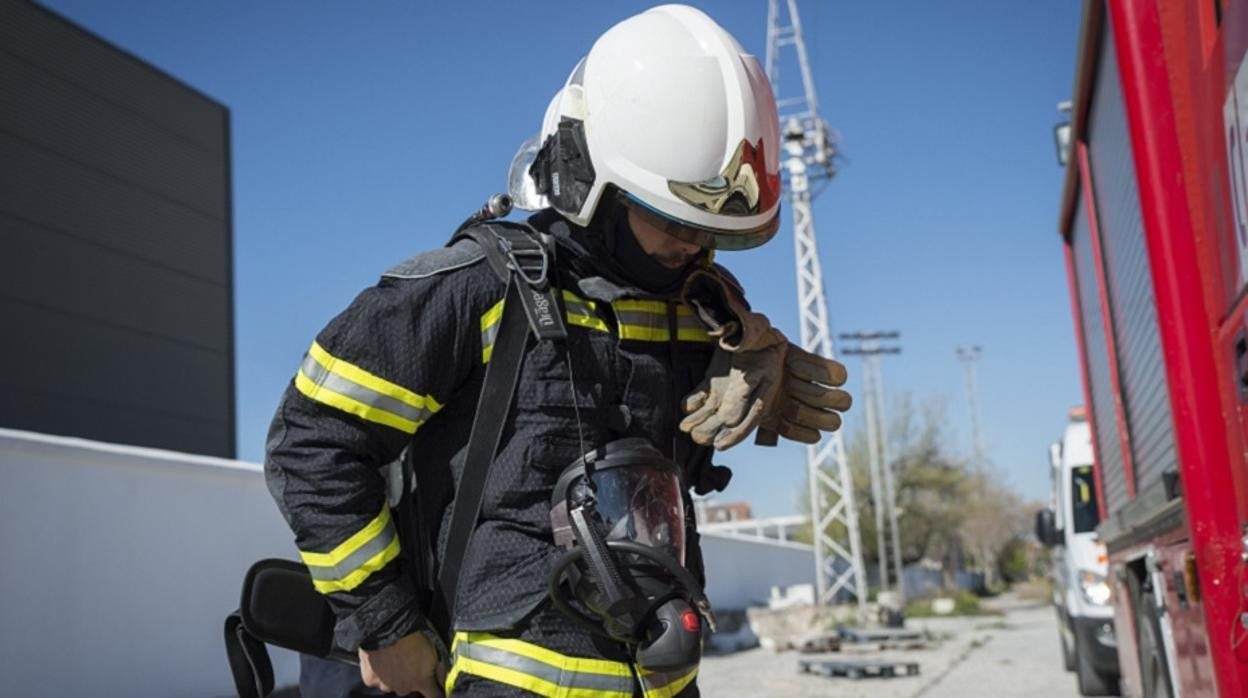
(408, 666)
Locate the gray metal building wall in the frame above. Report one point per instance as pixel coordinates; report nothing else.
(116, 278)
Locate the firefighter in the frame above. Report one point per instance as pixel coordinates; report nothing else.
(662, 147)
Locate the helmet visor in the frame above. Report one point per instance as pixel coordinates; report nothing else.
(643, 505)
(703, 236)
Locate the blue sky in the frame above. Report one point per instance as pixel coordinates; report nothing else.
(364, 132)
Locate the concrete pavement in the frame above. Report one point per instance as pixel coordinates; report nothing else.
(1015, 655)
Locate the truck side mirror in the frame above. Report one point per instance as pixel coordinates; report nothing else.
(1046, 528)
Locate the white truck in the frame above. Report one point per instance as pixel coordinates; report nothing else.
(1081, 592)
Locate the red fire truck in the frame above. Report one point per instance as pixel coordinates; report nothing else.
(1154, 218)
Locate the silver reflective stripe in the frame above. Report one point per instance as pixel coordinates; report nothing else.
(315, 372)
(641, 318)
(488, 335)
(544, 671)
(577, 307)
(355, 560)
(689, 322)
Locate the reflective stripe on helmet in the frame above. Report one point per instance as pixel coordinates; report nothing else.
(353, 560)
(537, 669)
(344, 386)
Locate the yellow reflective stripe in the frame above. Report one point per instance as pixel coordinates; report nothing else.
(492, 316)
(357, 577)
(646, 320)
(640, 306)
(536, 669)
(339, 401)
(586, 321)
(489, 330)
(645, 334)
(503, 675)
(570, 296)
(357, 540)
(692, 334)
(541, 654)
(379, 525)
(450, 678)
(358, 375)
(671, 689)
(576, 316)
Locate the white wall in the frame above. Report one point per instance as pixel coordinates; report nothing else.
(741, 571)
(120, 564)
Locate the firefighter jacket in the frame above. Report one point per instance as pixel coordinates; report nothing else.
(398, 373)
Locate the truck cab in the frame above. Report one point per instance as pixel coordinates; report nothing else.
(1082, 594)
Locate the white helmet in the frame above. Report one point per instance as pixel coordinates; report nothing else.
(671, 115)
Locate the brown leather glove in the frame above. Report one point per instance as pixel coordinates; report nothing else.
(809, 401)
(728, 318)
(757, 378)
(779, 389)
(740, 389)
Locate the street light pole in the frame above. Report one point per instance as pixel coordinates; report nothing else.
(880, 469)
(968, 355)
(890, 491)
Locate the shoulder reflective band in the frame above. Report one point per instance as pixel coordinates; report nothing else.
(582, 312)
(536, 669)
(688, 327)
(640, 320)
(578, 311)
(489, 330)
(352, 561)
(339, 384)
(646, 321)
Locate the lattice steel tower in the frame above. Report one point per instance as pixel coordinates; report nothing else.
(809, 153)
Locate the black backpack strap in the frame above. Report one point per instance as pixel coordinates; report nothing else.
(249, 660)
(524, 261)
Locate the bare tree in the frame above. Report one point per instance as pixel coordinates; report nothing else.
(945, 509)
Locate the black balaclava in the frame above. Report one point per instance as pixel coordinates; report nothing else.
(614, 247)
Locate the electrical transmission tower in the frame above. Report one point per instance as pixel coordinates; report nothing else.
(808, 159)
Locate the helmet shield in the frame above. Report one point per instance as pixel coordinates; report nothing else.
(700, 235)
(520, 186)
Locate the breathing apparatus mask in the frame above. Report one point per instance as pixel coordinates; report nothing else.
(619, 513)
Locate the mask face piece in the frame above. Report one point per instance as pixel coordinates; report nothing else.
(619, 512)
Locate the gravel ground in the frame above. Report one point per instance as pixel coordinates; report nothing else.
(1015, 655)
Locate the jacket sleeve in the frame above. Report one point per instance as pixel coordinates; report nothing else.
(379, 371)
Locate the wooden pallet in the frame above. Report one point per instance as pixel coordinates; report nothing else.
(879, 635)
(858, 670)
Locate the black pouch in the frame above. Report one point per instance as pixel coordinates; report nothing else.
(275, 594)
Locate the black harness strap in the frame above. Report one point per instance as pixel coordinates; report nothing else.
(524, 263)
(501, 376)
